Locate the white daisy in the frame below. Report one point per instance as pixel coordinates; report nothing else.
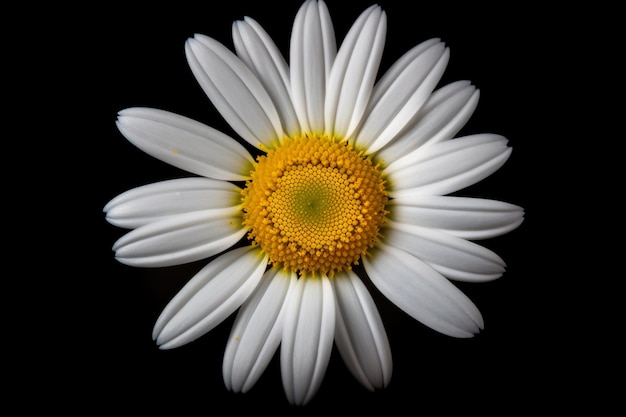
(349, 170)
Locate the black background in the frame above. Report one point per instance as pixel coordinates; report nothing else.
(529, 356)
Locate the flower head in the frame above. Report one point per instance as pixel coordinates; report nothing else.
(350, 169)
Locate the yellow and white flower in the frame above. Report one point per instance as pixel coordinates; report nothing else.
(350, 169)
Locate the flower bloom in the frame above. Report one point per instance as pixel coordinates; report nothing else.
(351, 169)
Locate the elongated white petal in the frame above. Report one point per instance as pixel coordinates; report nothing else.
(354, 72)
(152, 202)
(185, 143)
(234, 90)
(442, 116)
(312, 51)
(181, 238)
(422, 292)
(257, 331)
(255, 47)
(401, 92)
(448, 166)
(307, 338)
(468, 218)
(453, 257)
(360, 334)
(209, 297)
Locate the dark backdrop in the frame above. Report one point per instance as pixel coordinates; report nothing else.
(514, 54)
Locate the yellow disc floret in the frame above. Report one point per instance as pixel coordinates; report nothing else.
(314, 205)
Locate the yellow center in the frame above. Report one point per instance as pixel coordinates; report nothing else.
(314, 205)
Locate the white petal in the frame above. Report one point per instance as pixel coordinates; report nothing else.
(448, 166)
(360, 334)
(152, 202)
(185, 143)
(422, 292)
(453, 257)
(255, 47)
(209, 297)
(442, 116)
(307, 338)
(401, 92)
(469, 218)
(257, 331)
(312, 52)
(234, 90)
(354, 72)
(181, 238)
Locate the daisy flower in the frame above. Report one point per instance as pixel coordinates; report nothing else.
(350, 169)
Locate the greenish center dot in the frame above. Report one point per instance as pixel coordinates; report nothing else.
(311, 203)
